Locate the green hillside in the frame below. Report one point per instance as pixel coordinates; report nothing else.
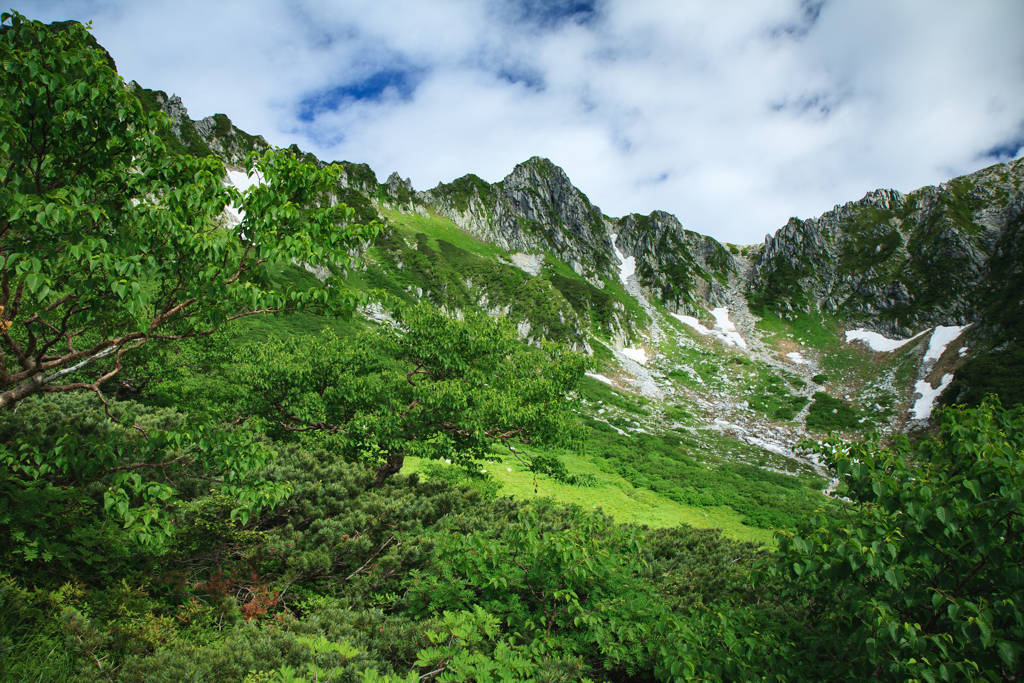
(325, 428)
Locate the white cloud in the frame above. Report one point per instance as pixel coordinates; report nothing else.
(734, 116)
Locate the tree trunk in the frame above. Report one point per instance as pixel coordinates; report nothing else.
(393, 465)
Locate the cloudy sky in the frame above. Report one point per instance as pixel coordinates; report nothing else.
(733, 115)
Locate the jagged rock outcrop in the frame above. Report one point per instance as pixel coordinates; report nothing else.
(212, 135)
(535, 207)
(681, 268)
(890, 261)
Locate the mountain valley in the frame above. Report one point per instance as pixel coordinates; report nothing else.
(854, 321)
(266, 419)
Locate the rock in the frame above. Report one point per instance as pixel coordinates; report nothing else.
(891, 262)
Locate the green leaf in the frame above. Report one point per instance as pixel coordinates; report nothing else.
(1008, 652)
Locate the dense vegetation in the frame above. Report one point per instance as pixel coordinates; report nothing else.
(177, 505)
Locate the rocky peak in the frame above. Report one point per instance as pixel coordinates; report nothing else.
(398, 189)
(535, 207)
(214, 135)
(394, 182)
(539, 193)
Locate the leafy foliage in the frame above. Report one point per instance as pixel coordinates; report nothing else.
(434, 388)
(921, 582)
(569, 590)
(108, 243)
(211, 512)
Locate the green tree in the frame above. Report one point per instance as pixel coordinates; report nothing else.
(433, 387)
(109, 244)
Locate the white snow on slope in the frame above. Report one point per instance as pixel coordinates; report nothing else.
(797, 358)
(729, 334)
(692, 322)
(877, 342)
(923, 406)
(639, 355)
(628, 266)
(601, 378)
(724, 330)
(941, 338)
(244, 182)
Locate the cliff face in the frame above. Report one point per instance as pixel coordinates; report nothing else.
(680, 268)
(892, 261)
(212, 135)
(534, 208)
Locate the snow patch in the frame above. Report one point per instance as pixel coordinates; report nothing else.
(797, 358)
(601, 378)
(628, 266)
(877, 342)
(243, 182)
(923, 406)
(727, 329)
(639, 355)
(692, 322)
(724, 330)
(941, 338)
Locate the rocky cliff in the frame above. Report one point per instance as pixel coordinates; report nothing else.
(895, 263)
(212, 135)
(534, 208)
(680, 268)
(890, 261)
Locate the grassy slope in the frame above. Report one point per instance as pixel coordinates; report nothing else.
(698, 477)
(614, 495)
(705, 466)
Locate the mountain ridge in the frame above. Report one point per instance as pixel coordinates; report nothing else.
(890, 263)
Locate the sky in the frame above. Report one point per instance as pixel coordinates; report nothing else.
(733, 115)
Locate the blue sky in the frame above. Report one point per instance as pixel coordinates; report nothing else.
(733, 115)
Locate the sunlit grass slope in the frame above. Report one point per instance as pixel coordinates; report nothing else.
(611, 493)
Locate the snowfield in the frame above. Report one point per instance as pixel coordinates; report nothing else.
(243, 182)
(941, 338)
(639, 355)
(724, 330)
(877, 342)
(628, 266)
(922, 409)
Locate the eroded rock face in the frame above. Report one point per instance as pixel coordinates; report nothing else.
(211, 135)
(890, 261)
(681, 268)
(535, 207)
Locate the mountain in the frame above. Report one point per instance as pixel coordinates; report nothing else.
(854, 320)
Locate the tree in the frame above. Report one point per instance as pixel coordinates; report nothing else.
(108, 243)
(433, 387)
